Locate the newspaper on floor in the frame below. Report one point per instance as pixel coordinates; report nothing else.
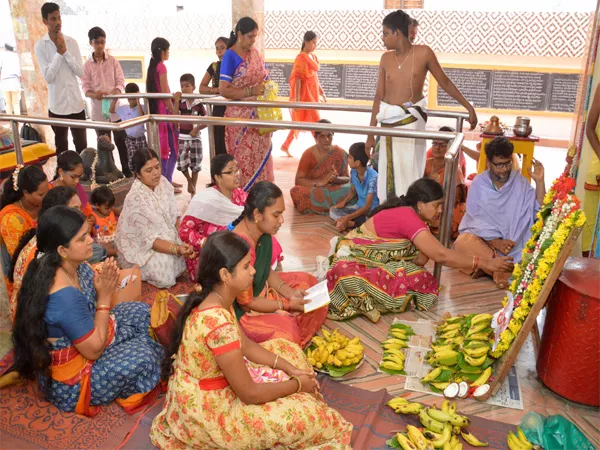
(509, 395)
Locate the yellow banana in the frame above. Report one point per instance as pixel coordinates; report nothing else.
(476, 362)
(439, 415)
(312, 361)
(409, 408)
(318, 365)
(450, 334)
(404, 442)
(513, 442)
(395, 346)
(458, 446)
(417, 438)
(337, 362)
(446, 434)
(324, 355)
(439, 348)
(523, 438)
(454, 441)
(430, 423)
(446, 405)
(330, 359)
(452, 409)
(391, 365)
(481, 318)
(326, 334)
(430, 435)
(456, 430)
(476, 344)
(341, 354)
(487, 373)
(479, 337)
(472, 439)
(355, 341)
(449, 326)
(394, 341)
(476, 352)
(330, 347)
(447, 446)
(441, 386)
(397, 401)
(431, 375)
(459, 421)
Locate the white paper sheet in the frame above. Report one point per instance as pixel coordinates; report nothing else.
(318, 296)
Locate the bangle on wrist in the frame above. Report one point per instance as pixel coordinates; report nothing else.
(286, 304)
(280, 284)
(294, 377)
(103, 308)
(275, 363)
(279, 304)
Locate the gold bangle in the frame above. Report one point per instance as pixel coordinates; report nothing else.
(279, 304)
(294, 377)
(275, 363)
(280, 284)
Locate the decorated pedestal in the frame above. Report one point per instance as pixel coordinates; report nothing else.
(569, 351)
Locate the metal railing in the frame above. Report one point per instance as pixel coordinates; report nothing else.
(455, 140)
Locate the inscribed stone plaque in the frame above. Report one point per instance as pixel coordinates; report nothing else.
(520, 90)
(331, 79)
(360, 81)
(280, 73)
(133, 69)
(563, 92)
(474, 84)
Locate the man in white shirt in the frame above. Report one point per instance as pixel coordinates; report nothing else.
(61, 64)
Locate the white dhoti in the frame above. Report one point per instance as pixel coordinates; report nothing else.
(401, 160)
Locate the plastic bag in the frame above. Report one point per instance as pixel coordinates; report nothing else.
(265, 113)
(554, 433)
(106, 108)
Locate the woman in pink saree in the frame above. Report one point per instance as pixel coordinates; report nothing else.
(243, 74)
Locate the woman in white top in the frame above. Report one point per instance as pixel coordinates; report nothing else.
(147, 230)
(10, 79)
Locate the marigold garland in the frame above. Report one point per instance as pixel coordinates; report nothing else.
(559, 215)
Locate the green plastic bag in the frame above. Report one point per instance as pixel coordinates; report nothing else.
(554, 433)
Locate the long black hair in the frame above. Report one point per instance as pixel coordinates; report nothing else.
(140, 158)
(56, 227)
(158, 45)
(261, 195)
(245, 25)
(60, 195)
(308, 36)
(217, 165)
(222, 249)
(28, 180)
(67, 161)
(423, 190)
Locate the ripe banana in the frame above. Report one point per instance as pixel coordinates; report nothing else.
(476, 352)
(441, 386)
(476, 328)
(391, 365)
(439, 415)
(476, 362)
(449, 327)
(442, 347)
(514, 443)
(446, 435)
(397, 401)
(523, 438)
(476, 344)
(479, 337)
(487, 373)
(417, 438)
(354, 341)
(431, 375)
(481, 318)
(430, 423)
(459, 421)
(446, 405)
(409, 408)
(326, 335)
(450, 334)
(452, 409)
(472, 439)
(404, 442)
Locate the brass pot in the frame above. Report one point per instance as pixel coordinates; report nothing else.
(522, 130)
(522, 120)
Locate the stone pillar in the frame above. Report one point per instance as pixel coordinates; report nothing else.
(254, 9)
(29, 28)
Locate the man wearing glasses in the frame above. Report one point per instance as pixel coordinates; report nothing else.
(60, 63)
(103, 75)
(501, 209)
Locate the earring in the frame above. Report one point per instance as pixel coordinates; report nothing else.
(61, 178)
(256, 221)
(198, 288)
(64, 257)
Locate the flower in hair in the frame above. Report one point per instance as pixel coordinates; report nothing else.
(39, 255)
(15, 176)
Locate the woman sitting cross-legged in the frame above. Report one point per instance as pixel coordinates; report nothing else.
(84, 353)
(147, 229)
(226, 391)
(322, 175)
(379, 267)
(274, 305)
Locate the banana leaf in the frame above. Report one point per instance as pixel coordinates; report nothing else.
(393, 442)
(337, 372)
(444, 376)
(488, 362)
(465, 367)
(434, 389)
(469, 376)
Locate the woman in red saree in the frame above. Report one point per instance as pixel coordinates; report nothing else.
(305, 86)
(243, 74)
(274, 306)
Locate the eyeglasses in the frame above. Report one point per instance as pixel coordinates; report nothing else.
(504, 165)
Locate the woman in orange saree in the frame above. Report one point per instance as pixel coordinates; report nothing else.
(305, 86)
(274, 306)
(243, 74)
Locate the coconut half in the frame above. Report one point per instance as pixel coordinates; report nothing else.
(481, 393)
(463, 389)
(451, 390)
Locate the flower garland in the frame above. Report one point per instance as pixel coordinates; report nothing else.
(558, 216)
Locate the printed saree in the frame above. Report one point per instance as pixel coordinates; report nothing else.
(250, 149)
(295, 327)
(370, 275)
(318, 199)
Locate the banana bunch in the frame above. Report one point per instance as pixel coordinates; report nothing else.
(441, 427)
(334, 349)
(518, 441)
(460, 353)
(392, 361)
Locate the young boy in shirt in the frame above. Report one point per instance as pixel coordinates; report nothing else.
(190, 144)
(364, 189)
(136, 136)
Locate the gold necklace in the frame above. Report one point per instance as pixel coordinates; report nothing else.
(76, 283)
(396, 57)
(219, 295)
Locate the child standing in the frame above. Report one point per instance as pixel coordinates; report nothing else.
(364, 188)
(136, 136)
(190, 144)
(156, 81)
(103, 210)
